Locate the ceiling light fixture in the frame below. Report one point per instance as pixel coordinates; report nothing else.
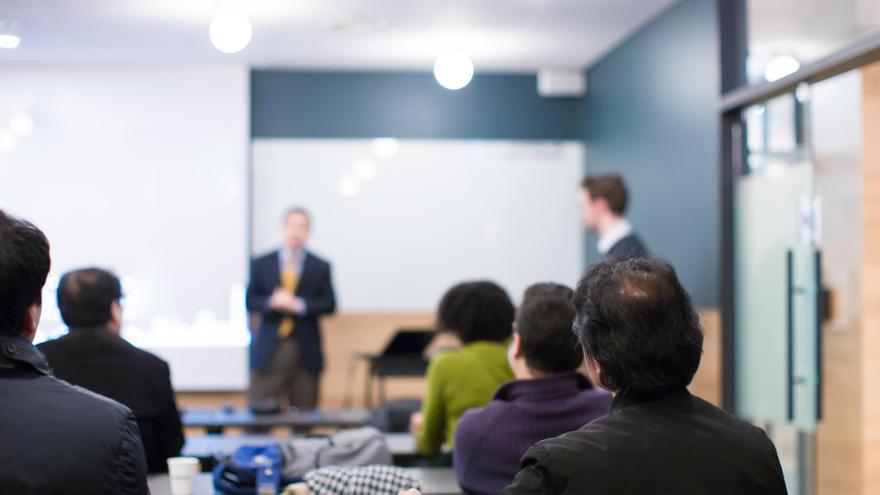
(9, 38)
(230, 30)
(453, 70)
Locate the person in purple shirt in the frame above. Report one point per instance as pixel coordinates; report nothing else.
(548, 398)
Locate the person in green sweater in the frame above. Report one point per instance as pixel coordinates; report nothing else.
(481, 315)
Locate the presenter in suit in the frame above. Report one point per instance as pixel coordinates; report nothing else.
(603, 200)
(290, 289)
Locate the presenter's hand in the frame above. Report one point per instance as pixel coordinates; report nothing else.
(284, 301)
(411, 491)
(276, 300)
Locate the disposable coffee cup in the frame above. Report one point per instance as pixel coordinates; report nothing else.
(182, 472)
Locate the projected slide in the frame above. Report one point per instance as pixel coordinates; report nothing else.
(113, 185)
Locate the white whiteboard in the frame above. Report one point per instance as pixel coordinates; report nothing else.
(434, 213)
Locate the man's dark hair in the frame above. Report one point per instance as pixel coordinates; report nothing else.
(85, 297)
(476, 311)
(609, 187)
(636, 321)
(24, 266)
(543, 323)
(297, 209)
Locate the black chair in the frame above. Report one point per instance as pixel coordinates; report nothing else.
(403, 356)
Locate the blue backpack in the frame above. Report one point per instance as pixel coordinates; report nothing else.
(251, 470)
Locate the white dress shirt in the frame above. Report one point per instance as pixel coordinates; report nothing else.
(607, 240)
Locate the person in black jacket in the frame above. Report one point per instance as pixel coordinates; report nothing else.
(603, 202)
(642, 341)
(54, 437)
(95, 357)
(290, 289)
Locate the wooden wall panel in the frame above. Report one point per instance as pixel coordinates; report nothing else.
(350, 334)
(838, 179)
(870, 342)
(347, 335)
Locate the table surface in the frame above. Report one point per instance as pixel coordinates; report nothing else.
(218, 418)
(206, 446)
(434, 481)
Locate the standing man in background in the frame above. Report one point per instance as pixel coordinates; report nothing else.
(603, 202)
(289, 290)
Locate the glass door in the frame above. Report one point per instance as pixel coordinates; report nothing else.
(777, 283)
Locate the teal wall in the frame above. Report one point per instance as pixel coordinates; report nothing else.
(651, 114)
(406, 105)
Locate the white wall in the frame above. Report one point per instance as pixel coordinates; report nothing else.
(436, 213)
(140, 170)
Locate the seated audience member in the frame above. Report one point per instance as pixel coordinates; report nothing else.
(95, 357)
(54, 437)
(643, 339)
(481, 314)
(548, 398)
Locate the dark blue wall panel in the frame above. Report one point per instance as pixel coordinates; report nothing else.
(406, 105)
(651, 114)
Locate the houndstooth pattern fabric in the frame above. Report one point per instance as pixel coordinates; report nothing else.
(365, 480)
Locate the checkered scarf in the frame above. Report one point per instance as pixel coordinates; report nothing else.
(366, 480)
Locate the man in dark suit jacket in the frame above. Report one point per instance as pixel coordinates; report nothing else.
(603, 206)
(290, 289)
(54, 437)
(93, 356)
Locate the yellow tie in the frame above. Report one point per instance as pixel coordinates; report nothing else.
(289, 280)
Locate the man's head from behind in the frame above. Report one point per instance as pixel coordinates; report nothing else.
(637, 327)
(295, 228)
(90, 298)
(602, 197)
(543, 343)
(24, 266)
